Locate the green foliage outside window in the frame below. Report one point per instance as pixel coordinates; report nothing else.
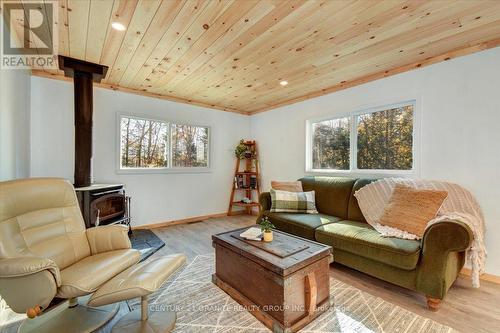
(331, 144)
(384, 141)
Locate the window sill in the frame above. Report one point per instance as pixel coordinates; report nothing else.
(143, 171)
(362, 173)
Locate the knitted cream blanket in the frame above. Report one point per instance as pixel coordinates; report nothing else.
(460, 205)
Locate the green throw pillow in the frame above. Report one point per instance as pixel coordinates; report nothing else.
(293, 202)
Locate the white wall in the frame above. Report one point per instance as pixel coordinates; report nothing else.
(156, 197)
(14, 123)
(460, 129)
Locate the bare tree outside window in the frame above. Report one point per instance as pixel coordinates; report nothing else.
(144, 143)
(331, 144)
(385, 139)
(189, 146)
(154, 144)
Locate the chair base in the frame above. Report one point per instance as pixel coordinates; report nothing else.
(62, 318)
(157, 322)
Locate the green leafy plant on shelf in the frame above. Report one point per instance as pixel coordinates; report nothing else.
(240, 150)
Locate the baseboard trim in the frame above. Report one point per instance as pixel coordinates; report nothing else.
(484, 277)
(201, 218)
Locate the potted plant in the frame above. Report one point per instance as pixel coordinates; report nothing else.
(240, 150)
(267, 228)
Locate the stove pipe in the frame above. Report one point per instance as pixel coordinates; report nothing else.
(83, 74)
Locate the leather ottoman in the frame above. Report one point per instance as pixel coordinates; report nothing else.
(140, 281)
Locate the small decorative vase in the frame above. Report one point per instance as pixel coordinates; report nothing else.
(268, 236)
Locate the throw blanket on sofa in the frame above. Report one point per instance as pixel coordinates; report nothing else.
(460, 205)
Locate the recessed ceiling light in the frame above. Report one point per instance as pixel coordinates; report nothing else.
(284, 83)
(118, 26)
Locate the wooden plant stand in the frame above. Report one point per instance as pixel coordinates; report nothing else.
(251, 169)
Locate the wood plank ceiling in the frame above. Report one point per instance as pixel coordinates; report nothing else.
(232, 54)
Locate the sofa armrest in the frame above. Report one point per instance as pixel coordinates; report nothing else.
(27, 282)
(436, 273)
(265, 201)
(448, 235)
(108, 238)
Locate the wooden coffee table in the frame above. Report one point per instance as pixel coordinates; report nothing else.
(284, 283)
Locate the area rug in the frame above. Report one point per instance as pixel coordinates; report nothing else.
(203, 307)
(146, 242)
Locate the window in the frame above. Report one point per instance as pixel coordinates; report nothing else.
(376, 139)
(331, 144)
(385, 139)
(155, 144)
(189, 146)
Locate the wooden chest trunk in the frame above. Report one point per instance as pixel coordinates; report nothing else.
(284, 284)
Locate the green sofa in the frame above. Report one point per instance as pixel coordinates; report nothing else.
(429, 266)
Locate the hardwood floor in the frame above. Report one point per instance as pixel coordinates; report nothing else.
(465, 308)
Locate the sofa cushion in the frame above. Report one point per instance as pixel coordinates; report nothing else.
(332, 194)
(361, 239)
(302, 225)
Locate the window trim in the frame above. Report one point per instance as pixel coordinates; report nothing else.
(353, 115)
(158, 170)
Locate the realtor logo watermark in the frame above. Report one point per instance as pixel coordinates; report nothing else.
(29, 34)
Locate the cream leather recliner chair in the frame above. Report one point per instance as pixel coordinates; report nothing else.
(45, 250)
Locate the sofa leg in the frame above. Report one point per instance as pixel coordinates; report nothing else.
(433, 303)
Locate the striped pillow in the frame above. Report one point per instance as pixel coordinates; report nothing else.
(293, 202)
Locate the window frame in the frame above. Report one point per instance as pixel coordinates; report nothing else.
(353, 144)
(169, 169)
